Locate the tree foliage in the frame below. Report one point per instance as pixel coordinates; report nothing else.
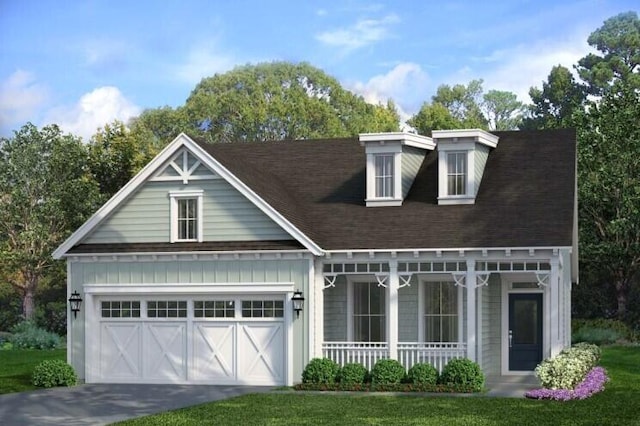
(280, 100)
(45, 193)
(502, 110)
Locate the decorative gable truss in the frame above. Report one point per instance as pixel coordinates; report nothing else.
(183, 166)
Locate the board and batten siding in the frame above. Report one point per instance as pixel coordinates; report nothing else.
(335, 311)
(408, 317)
(186, 272)
(145, 216)
(411, 161)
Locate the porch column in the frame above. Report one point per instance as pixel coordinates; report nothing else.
(317, 319)
(554, 299)
(470, 283)
(392, 309)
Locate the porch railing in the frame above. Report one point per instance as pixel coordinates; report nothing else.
(365, 353)
(409, 353)
(436, 354)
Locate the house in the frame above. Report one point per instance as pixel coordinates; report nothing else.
(403, 246)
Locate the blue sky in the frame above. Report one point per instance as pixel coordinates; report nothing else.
(83, 63)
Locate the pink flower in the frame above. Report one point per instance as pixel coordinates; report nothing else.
(592, 383)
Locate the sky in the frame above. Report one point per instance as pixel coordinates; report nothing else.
(81, 64)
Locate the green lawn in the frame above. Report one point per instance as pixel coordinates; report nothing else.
(619, 404)
(16, 367)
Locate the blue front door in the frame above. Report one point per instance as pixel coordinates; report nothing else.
(525, 331)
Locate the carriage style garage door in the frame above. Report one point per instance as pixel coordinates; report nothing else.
(216, 340)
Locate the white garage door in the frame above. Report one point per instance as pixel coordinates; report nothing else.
(221, 340)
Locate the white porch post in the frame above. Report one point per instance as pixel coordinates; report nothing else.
(317, 319)
(470, 282)
(392, 309)
(554, 299)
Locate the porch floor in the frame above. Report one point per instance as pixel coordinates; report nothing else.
(510, 386)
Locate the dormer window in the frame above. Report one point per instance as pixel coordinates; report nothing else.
(393, 161)
(462, 155)
(384, 175)
(457, 173)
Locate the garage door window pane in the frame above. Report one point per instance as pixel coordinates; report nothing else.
(262, 308)
(214, 309)
(167, 309)
(120, 309)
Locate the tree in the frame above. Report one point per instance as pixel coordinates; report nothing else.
(162, 125)
(554, 105)
(434, 116)
(279, 100)
(502, 110)
(609, 190)
(45, 192)
(464, 103)
(619, 41)
(116, 154)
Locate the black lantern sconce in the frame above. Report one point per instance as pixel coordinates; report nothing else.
(75, 301)
(298, 302)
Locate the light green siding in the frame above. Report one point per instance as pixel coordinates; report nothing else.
(490, 326)
(186, 272)
(335, 311)
(145, 216)
(481, 153)
(411, 162)
(408, 312)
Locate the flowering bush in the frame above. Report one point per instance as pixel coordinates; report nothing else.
(593, 383)
(569, 367)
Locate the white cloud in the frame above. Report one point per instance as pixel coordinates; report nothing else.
(364, 32)
(93, 110)
(405, 84)
(203, 62)
(21, 98)
(517, 69)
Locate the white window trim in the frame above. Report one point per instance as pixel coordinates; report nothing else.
(353, 280)
(432, 278)
(174, 197)
(372, 200)
(443, 191)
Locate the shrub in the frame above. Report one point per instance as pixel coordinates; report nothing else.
(422, 374)
(463, 371)
(53, 372)
(387, 371)
(569, 367)
(598, 336)
(353, 374)
(26, 335)
(593, 383)
(4, 337)
(583, 329)
(320, 371)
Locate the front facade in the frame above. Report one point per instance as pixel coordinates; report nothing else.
(405, 247)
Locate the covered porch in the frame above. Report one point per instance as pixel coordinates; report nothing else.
(435, 307)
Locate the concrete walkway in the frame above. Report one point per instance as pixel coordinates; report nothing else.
(511, 386)
(103, 404)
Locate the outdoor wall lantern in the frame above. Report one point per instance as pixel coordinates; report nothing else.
(298, 302)
(75, 301)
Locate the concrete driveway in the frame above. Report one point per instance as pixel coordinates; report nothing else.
(106, 403)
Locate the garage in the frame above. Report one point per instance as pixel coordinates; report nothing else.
(186, 338)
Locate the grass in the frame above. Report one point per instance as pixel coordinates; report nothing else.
(16, 367)
(619, 404)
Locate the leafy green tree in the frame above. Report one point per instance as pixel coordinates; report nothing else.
(434, 116)
(279, 100)
(554, 105)
(609, 189)
(502, 110)
(46, 191)
(116, 154)
(464, 103)
(618, 40)
(162, 125)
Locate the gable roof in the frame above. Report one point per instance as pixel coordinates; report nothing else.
(526, 197)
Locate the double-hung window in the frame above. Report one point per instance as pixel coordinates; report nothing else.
(384, 175)
(441, 314)
(186, 216)
(457, 173)
(368, 312)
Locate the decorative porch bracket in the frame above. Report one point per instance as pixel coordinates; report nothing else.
(483, 279)
(330, 281)
(404, 280)
(382, 279)
(543, 278)
(458, 278)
